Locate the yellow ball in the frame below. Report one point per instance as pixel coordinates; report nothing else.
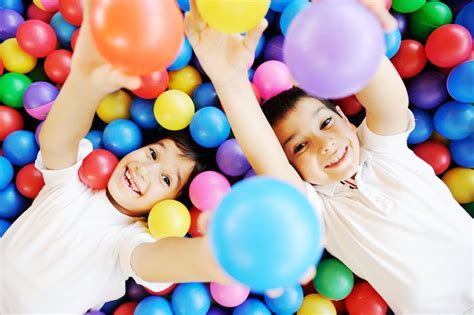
(186, 80)
(317, 304)
(460, 182)
(114, 106)
(169, 218)
(15, 59)
(233, 16)
(174, 110)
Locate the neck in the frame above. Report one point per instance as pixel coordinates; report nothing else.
(119, 207)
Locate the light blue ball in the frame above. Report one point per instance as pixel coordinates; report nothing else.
(209, 127)
(153, 305)
(252, 307)
(184, 5)
(260, 46)
(121, 137)
(290, 12)
(289, 302)
(15, 5)
(20, 147)
(95, 137)
(6, 172)
(454, 120)
(184, 56)
(279, 5)
(423, 127)
(205, 95)
(12, 203)
(393, 40)
(141, 112)
(462, 151)
(191, 298)
(4, 225)
(63, 29)
(460, 82)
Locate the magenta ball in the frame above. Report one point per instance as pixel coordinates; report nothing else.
(231, 159)
(271, 78)
(38, 99)
(37, 38)
(229, 295)
(207, 190)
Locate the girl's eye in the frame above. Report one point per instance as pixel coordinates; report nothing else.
(299, 147)
(167, 180)
(326, 123)
(152, 153)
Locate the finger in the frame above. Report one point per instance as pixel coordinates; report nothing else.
(252, 38)
(377, 7)
(194, 10)
(274, 293)
(308, 276)
(191, 31)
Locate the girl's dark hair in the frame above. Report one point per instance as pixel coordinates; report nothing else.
(278, 107)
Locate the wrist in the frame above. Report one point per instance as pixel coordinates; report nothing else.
(83, 87)
(231, 82)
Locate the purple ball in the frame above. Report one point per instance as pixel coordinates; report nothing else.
(214, 310)
(37, 132)
(231, 159)
(274, 49)
(250, 173)
(135, 291)
(39, 94)
(428, 90)
(9, 22)
(402, 21)
(94, 312)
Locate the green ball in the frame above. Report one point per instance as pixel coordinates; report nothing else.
(333, 279)
(431, 16)
(12, 88)
(469, 207)
(407, 6)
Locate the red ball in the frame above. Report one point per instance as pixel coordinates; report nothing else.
(97, 168)
(29, 181)
(435, 154)
(365, 300)
(410, 58)
(194, 229)
(10, 120)
(58, 65)
(74, 37)
(35, 13)
(71, 10)
(449, 45)
(153, 84)
(1, 67)
(349, 105)
(126, 308)
(166, 291)
(37, 38)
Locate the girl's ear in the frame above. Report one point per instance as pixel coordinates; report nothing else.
(339, 111)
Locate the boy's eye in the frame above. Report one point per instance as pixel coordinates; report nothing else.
(299, 147)
(152, 153)
(167, 180)
(326, 123)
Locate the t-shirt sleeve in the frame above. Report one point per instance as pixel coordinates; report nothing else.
(68, 174)
(374, 142)
(137, 235)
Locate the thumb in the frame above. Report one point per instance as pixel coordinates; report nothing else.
(252, 38)
(127, 81)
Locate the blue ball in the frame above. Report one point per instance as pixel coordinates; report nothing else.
(12, 203)
(260, 46)
(292, 241)
(95, 137)
(153, 305)
(141, 112)
(270, 17)
(63, 29)
(393, 40)
(20, 147)
(423, 127)
(252, 307)
(290, 12)
(465, 17)
(184, 5)
(110, 306)
(251, 73)
(279, 5)
(454, 120)
(15, 5)
(184, 56)
(121, 137)
(4, 225)
(289, 302)
(462, 151)
(460, 81)
(205, 95)
(209, 127)
(6, 172)
(191, 298)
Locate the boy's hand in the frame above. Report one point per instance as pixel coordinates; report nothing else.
(377, 7)
(223, 56)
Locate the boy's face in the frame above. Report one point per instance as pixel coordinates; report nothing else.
(321, 145)
(148, 175)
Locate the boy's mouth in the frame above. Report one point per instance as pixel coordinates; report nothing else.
(129, 182)
(337, 159)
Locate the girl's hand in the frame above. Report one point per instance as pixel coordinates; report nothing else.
(223, 56)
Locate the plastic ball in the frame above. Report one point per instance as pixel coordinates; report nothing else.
(15, 5)
(393, 40)
(401, 21)
(153, 84)
(316, 304)
(410, 58)
(29, 181)
(10, 120)
(407, 6)
(214, 310)
(97, 168)
(465, 19)
(207, 190)
(449, 45)
(460, 81)
(461, 151)
(15, 59)
(435, 154)
(271, 78)
(454, 120)
(259, 48)
(164, 292)
(191, 298)
(39, 98)
(319, 63)
(47, 5)
(135, 292)
(6, 172)
(71, 10)
(287, 303)
(229, 295)
(141, 112)
(184, 56)
(95, 137)
(194, 228)
(423, 127)
(279, 5)
(205, 95)
(185, 79)
(4, 225)
(231, 159)
(12, 87)
(429, 17)
(274, 49)
(152, 35)
(235, 16)
(350, 105)
(209, 127)
(169, 218)
(155, 305)
(184, 5)
(74, 38)
(428, 90)
(35, 13)
(121, 137)
(20, 147)
(10, 20)
(114, 106)
(37, 132)
(333, 279)
(174, 110)
(268, 262)
(63, 29)
(365, 300)
(12, 203)
(36, 38)
(252, 306)
(126, 309)
(460, 182)
(290, 12)
(58, 65)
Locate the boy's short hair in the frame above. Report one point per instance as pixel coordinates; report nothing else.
(277, 107)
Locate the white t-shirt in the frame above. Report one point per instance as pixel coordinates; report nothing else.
(70, 251)
(400, 229)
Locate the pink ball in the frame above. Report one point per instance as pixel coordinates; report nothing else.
(271, 78)
(207, 190)
(229, 295)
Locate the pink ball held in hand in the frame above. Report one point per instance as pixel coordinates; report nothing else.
(207, 190)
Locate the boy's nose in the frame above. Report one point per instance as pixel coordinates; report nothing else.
(327, 146)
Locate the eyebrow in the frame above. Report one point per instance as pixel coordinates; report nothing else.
(316, 112)
(177, 173)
